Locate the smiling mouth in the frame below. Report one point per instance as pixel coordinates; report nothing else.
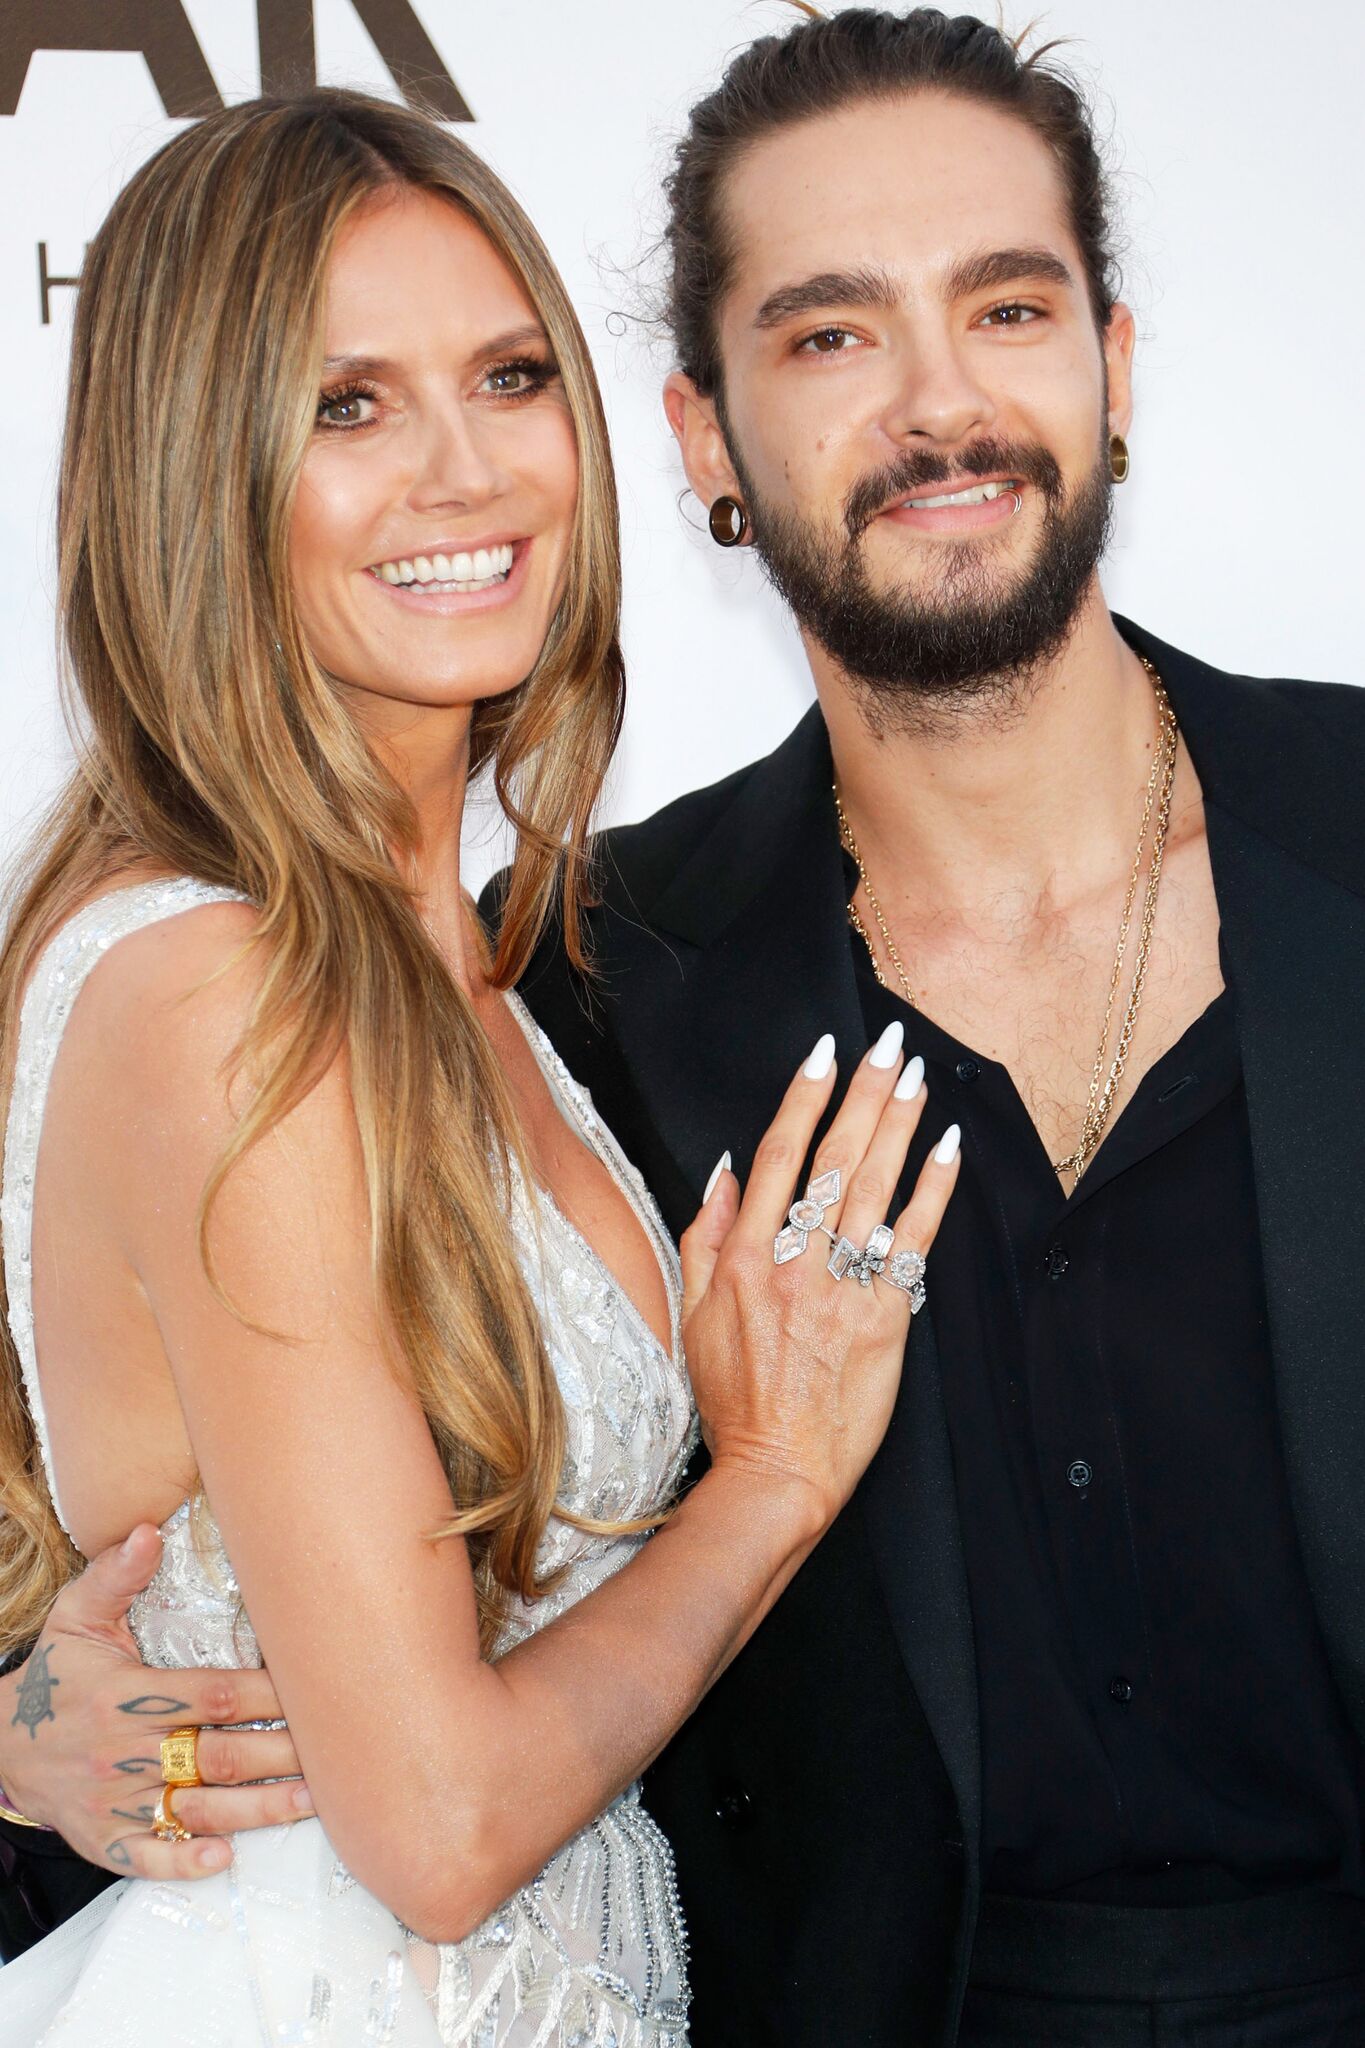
(459, 574)
(975, 494)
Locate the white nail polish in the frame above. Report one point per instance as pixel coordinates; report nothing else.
(945, 1152)
(721, 1166)
(883, 1053)
(911, 1081)
(821, 1059)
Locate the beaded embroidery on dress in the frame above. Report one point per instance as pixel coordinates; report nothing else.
(285, 1947)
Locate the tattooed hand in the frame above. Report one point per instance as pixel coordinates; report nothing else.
(81, 1724)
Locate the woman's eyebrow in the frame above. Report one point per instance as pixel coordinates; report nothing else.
(381, 366)
(515, 337)
(360, 366)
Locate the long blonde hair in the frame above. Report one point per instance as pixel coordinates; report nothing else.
(212, 744)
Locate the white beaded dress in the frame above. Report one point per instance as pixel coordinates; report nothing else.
(285, 1948)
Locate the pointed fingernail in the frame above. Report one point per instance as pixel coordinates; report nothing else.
(821, 1059)
(911, 1081)
(945, 1152)
(883, 1053)
(721, 1166)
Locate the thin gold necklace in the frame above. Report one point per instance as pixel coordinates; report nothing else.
(1103, 1087)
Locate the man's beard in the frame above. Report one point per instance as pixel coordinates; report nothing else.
(967, 631)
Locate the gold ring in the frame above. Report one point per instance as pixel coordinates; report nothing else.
(165, 1826)
(180, 1757)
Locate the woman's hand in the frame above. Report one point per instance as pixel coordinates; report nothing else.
(91, 1766)
(795, 1372)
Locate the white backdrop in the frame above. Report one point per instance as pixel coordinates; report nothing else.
(1236, 133)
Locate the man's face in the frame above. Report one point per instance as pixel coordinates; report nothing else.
(908, 320)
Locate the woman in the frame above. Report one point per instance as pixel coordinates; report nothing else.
(325, 1265)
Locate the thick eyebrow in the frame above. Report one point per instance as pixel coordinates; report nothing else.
(829, 288)
(995, 267)
(380, 366)
(875, 288)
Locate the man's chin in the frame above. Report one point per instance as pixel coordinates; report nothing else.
(970, 598)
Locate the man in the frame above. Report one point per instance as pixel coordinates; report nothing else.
(1065, 1715)
(1056, 1739)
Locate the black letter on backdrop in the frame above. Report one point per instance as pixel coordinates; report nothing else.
(159, 29)
(46, 280)
(285, 32)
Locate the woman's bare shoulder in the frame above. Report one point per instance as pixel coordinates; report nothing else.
(168, 1002)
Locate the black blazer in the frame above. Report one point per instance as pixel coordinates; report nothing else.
(824, 1801)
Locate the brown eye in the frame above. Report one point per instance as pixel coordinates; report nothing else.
(828, 342)
(1012, 315)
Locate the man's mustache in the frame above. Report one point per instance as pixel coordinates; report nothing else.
(909, 475)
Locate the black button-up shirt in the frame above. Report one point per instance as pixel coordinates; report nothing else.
(1158, 1720)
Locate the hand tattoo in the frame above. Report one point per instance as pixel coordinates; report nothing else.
(119, 1855)
(143, 1815)
(138, 1766)
(155, 1703)
(33, 1701)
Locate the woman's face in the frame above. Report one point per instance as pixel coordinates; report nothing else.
(436, 501)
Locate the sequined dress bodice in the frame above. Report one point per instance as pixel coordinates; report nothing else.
(592, 1955)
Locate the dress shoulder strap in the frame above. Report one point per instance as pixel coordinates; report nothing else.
(57, 980)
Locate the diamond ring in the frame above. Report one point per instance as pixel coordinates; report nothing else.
(807, 1216)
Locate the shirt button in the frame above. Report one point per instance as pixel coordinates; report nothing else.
(734, 1807)
(1079, 1474)
(1121, 1690)
(969, 1070)
(1055, 1261)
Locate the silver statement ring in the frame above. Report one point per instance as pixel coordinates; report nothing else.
(906, 1271)
(807, 1216)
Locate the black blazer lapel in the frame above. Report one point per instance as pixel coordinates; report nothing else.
(745, 962)
(1283, 804)
(1295, 946)
(731, 973)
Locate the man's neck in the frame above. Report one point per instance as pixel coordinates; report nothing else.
(1036, 801)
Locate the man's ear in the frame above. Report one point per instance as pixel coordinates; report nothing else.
(1119, 339)
(704, 453)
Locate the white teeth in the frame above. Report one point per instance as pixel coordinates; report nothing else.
(978, 494)
(459, 572)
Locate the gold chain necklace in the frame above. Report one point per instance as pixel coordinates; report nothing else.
(1103, 1087)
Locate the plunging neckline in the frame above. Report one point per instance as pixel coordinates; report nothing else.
(573, 1103)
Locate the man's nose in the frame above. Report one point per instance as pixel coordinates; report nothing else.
(938, 396)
